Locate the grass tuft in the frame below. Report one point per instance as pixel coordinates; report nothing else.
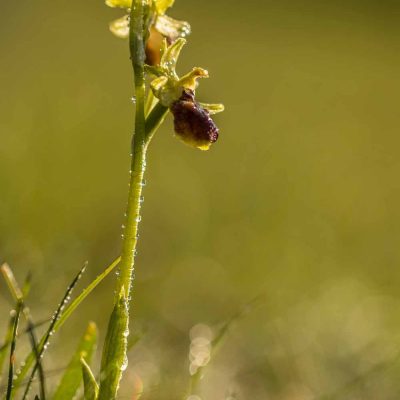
(50, 330)
(64, 317)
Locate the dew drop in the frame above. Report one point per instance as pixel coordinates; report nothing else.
(124, 365)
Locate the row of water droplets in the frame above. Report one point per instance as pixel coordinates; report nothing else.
(138, 218)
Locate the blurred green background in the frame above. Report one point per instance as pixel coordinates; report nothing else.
(298, 200)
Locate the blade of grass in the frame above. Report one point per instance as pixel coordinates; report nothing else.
(7, 341)
(45, 340)
(90, 386)
(12, 351)
(71, 380)
(26, 288)
(71, 308)
(66, 314)
(19, 296)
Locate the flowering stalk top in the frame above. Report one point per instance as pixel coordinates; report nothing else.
(164, 42)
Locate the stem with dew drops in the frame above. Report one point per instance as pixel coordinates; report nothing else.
(114, 359)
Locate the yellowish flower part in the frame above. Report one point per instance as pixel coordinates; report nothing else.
(163, 5)
(119, 3)
(120, 27)
(160, 5)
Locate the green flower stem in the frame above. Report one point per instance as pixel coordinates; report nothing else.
(138, 162)
(114, 359)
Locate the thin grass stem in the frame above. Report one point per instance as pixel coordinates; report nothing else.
(11, 367)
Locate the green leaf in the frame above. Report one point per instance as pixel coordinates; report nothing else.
(114, 360)
(91, 388)
(72, 377)
(66, 314)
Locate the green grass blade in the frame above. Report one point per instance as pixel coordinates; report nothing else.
(34, 345)
(50, 330)
(72, 377)
(91, 388)
(71, 308)
(11, 367)
(114, 361)
(66, 314)
(19, 296)
(7, 341)
(26, 288)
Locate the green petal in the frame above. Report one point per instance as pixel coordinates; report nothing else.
(119, 3)
(213, 108)
(120, 27)
(171, 55)
(158, 83)
(163, 5)
(189, 81)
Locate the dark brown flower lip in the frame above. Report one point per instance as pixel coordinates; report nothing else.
(192, 123)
